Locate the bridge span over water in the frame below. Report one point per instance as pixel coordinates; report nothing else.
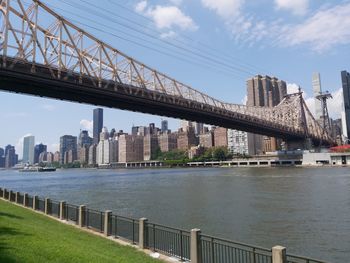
(44, 54)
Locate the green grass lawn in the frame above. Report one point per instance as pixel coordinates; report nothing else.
(26, 236)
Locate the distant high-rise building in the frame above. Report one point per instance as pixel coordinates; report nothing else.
(150, 146)
(186, 139)
(198, 128)
(237, 141)
(11, 158)
(84, 139)
(130, 148)
(97, 124)
(28, 149)
(92, 155)
(316, 87)
(67, 143)
(345, 79)
(57, 157)
(206, 140)
(50, 157)
(2, 158)
(167, 142)
(264, 91)
(220, 137)
(38, 149)
(164, 125)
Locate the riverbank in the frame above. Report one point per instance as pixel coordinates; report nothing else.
(26, 236)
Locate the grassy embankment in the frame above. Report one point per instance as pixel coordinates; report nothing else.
(26, 236)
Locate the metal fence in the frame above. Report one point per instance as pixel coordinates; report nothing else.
(299, 259)
(125, 228)
(72, 213)
(171, 241)
(94, 219)
(12, 196)
(217, 250)
(29, 202)
(167, 240)
(20, 198)
(6, 194)
(54, 208)
(41, 204)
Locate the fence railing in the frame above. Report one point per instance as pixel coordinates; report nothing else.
(171, 241)
(182, 244)
(217, 250)
(72, 213)
(299, 259)
(94, 220)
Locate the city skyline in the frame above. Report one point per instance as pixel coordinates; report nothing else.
(297, 60)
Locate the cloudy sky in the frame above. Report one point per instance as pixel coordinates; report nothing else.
(212, 45)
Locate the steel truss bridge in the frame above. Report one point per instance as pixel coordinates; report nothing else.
(44, 54)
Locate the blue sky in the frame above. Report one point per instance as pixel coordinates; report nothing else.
(212, 45)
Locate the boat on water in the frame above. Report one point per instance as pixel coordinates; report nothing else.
(37, 169)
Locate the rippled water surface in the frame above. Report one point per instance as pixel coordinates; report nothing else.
(305, 209)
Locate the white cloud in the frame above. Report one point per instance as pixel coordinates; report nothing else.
(19, 145)
(87, 125)
(166, 17)
(322, 31)
(227, 9)
(298, 7)
(141, 6)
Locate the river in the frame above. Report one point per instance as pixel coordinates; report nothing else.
(305, 209)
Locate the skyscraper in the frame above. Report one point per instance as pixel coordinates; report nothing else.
(2, 158)
(98, 124)
(11, 158)
(164, 125)
(345, 79)
(316, 87)
(68, 143)
(38, 149)
(264, 91)
(28, 149)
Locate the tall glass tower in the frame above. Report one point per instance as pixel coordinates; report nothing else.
(345, 79)
(28, 149)
(98, 124)
(316, 87)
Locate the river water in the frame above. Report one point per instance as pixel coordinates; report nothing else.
(305, 209)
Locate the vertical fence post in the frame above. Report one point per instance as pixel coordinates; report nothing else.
(196, 251)
(25, 199)
(16, 197)
(62, 210)
(142, 232)
(35, 202)
(82, 213)
(4, 193)
(107, 221)
(47, 206)
(279, 254)
(10, 195)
